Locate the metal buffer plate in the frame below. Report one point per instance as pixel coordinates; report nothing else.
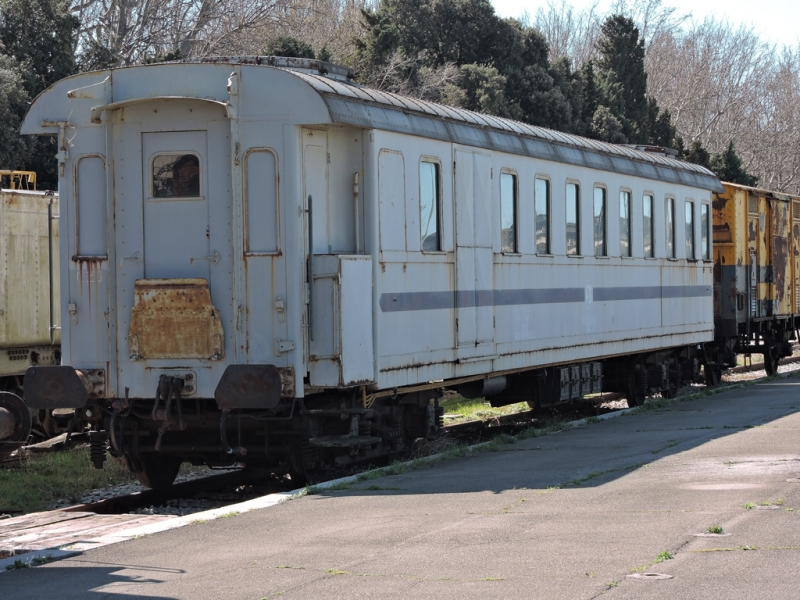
(174, 318)
(54, 387)
(249, 386)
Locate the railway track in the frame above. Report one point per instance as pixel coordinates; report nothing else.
(87, 525)
(245, 483)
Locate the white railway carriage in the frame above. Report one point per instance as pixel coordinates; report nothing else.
(259, 248)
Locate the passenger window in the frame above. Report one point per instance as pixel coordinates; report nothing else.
(176, 176)
(669, 220)
(508, 212)
(624, 223)
(429, 206)
(573, 220)
(541, 206)
(600, 222)
(690, 230)
(647, 225)
(705, 234)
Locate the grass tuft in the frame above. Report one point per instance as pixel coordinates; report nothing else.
(665, 555)
(715, 529)
(42, 479)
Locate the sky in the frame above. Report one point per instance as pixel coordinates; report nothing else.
(775, 20)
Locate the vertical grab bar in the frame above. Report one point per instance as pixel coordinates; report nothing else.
(309, 268)
(50, 218)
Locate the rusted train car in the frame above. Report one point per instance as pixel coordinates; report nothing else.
(267, 263)
(29, 298)
(756, 274)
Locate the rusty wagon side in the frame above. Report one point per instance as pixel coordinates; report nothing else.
(756, 271)
(29, 299)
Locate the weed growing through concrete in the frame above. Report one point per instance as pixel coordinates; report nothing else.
(670, 444)
(665, 555)
(749, 506)
(36, 561)
(580, 480)
(18, 564)
(715, 529)
(337, 572)
(227, 515)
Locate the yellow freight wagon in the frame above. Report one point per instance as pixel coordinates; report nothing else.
(756, 271)
(29, 296)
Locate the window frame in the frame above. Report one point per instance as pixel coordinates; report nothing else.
(690, 227)
(246, 203)
(75, 213)
(578, 228)
(629, 192)
(549, 216)
(604, 188)
(436, 161)
(670, 232)
(707, 256)
(151, 190)
(515, 205)
(652, 196)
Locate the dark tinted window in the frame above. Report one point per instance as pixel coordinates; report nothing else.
(176, 176)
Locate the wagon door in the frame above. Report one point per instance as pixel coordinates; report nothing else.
(267, 341)
(779, 238)
(474, 256)
(173, 227)
(795, 255)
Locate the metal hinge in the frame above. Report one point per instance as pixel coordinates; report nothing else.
(282, 346)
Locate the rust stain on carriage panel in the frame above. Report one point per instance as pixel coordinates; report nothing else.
(174, 318)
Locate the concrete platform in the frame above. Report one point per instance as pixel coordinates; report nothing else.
(570, 515)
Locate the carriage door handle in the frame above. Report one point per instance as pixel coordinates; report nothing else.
(214, 258)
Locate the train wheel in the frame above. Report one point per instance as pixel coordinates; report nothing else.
(634, 395)
(771, 359)
(713, 375)
(157, 472)
(304, 464)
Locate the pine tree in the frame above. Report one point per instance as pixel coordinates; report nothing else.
(622, 64)
(728, 167)
(698, 155)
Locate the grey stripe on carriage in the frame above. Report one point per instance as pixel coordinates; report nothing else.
(408, 301)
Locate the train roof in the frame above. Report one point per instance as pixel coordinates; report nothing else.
(761, 191)
(348, 103)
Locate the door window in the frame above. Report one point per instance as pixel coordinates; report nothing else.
(176, 176)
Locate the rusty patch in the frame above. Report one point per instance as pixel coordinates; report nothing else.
(752, 229)
(174, 318)
(719, 202)
(722, 233)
